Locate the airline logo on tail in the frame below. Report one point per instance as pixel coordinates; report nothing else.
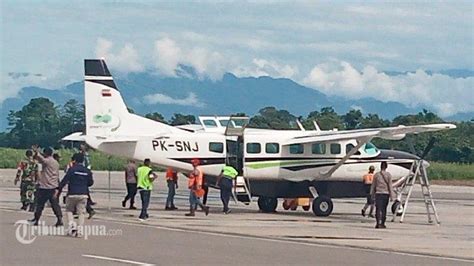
(106, 121)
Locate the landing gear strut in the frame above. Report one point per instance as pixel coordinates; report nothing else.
(267, 204)
(322, 206)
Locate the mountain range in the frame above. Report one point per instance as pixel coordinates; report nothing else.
(147, 92)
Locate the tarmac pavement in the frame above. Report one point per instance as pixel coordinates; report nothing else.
(245, 236)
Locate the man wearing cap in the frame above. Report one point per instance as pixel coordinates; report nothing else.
(48, 182)
(367, 178)
(195, 189)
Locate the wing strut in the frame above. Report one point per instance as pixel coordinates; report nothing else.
(360, 143)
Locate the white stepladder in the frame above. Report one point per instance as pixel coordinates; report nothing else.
(241, 191)
(417, 173)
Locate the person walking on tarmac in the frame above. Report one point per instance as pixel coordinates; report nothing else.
(195, 189)
(367, 178)
(79, 179)
(131, 183)
(382, 191)
(48, 182)
(145, 178)
(27, 170)
(225, 181)
(172, 182)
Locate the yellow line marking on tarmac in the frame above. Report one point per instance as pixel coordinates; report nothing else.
(117, 260)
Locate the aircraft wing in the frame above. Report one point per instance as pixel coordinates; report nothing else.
(395, 133)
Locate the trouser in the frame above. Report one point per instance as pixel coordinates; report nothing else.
(370, 201)
(206, 190)
(145, 196)
(226, 191)
(76, 203)
(43, 196)
(381, 203)
(194, 201)
(89, 208)
(171, 193)
(131, 192)
(27, 191)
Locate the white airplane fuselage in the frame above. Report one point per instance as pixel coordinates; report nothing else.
(274, 163)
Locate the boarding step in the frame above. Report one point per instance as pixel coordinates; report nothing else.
(242, 190)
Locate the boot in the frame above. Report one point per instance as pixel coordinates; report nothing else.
(206, 210)
(59, 222)
(191, 212)
(24, 206)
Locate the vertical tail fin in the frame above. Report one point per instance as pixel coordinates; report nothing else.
(106, 112)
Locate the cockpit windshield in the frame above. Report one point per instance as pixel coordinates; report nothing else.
(370, 148)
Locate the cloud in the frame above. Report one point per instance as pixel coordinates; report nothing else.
(444, 94)
(168, 57)
(54, 77)
(125, 60)
(262, 67)
(158, 98)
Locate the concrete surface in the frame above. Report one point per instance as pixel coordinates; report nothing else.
(246, 235)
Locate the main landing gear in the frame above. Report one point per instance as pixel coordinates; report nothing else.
(322, 206)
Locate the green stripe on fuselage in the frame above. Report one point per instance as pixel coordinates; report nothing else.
(267, 164)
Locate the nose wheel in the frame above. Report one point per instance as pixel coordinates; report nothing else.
(322, 206)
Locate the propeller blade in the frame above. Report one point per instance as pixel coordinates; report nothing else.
(428, 147)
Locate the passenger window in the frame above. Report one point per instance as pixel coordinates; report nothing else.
(254, 148)
(216, 147)
(349, 147)
(210, 123)
(335, 148)
(296, 149)
(272, 148)
(318, 148)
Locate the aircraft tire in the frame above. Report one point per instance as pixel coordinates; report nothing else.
(322, 206)
(306, 208)
(267, 204)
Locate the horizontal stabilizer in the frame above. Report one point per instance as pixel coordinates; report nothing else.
(76, 136)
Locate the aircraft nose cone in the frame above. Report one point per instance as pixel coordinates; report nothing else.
(394, 154)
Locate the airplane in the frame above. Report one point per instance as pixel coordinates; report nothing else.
(272, 164)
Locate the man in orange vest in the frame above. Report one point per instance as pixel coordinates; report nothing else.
(367, 178)
(172, 182)
(196, 190)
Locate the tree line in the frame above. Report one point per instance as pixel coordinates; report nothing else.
(42, 122)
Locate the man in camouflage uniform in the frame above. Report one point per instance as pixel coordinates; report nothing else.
(27, 170)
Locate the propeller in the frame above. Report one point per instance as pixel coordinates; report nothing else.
(426, 150)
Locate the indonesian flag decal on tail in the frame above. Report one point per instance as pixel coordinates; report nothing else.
(106, 93)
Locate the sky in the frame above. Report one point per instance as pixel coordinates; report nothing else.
(341, 48)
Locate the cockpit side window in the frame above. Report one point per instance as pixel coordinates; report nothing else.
(370, 148)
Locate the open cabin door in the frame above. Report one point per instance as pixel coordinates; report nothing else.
(234, 133)
(235, 156)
